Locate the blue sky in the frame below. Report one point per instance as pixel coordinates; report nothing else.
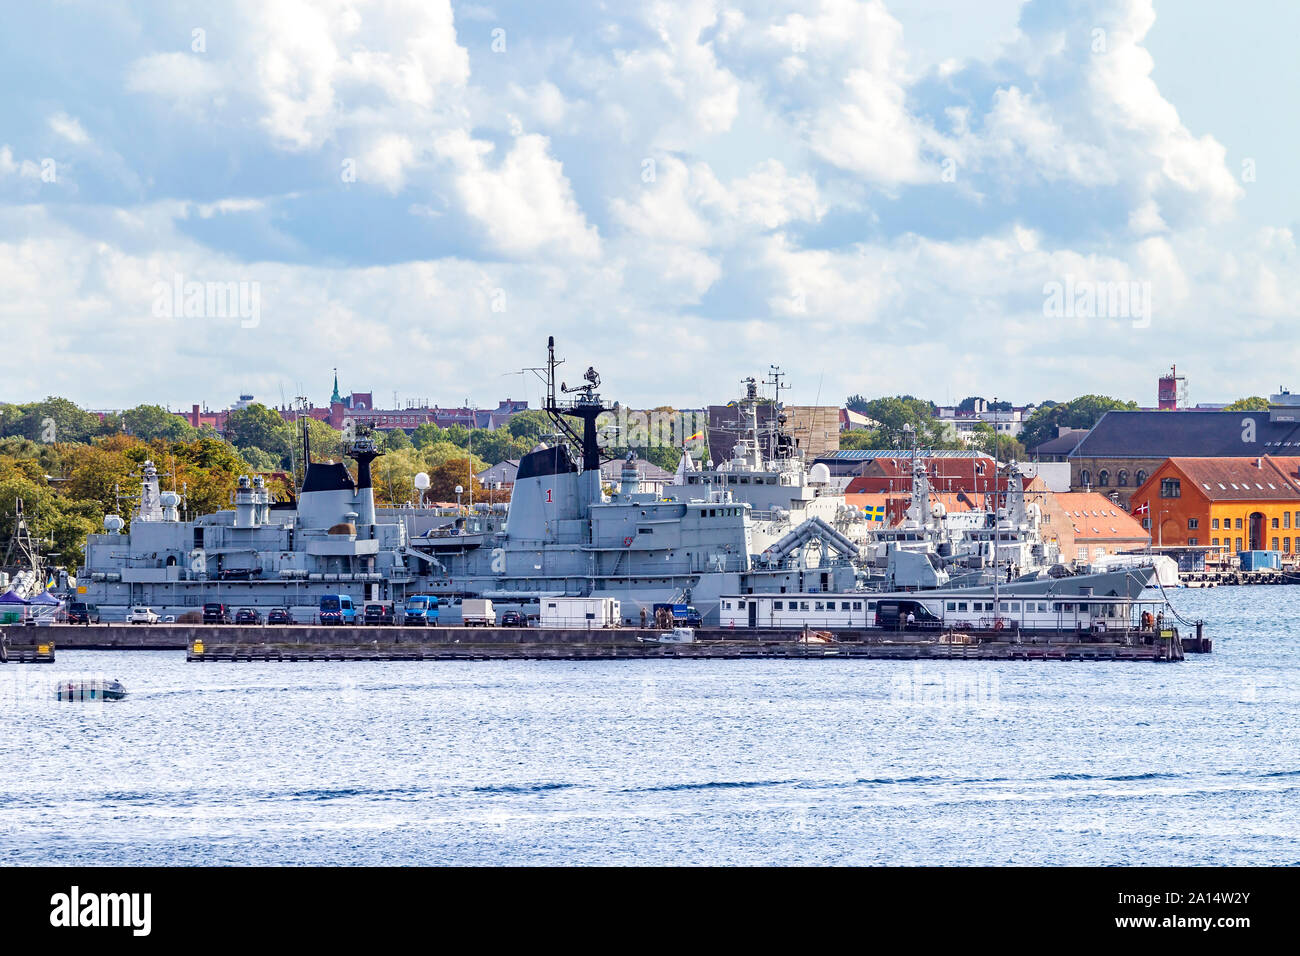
(876, 196)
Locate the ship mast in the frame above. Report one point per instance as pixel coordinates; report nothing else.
(997, 519)
(586, 406)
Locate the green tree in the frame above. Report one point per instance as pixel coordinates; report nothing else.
(1082, 412)
(394, 475)
(53, 420)
(863, 438)
(1254, 403)
(395, 439)
(426, 435)
(899, 413)
(458, 435)
(498, 445)
(154, 421)
(260, 427)
(444, 479)
(326, 443)
(259, 460)
(1002, 447)
(530, 426)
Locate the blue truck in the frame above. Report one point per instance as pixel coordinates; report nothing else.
(421, 610)
(337, 609)
(676, 615)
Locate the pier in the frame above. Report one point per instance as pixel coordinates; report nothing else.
(298, 643)
(24, 645)
(1231, 576)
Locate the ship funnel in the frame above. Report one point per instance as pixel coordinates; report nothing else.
(630, 480)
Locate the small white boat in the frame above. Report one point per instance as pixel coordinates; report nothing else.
(678, 635)
(92, 689)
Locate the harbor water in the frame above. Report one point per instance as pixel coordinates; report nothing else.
(668, 762)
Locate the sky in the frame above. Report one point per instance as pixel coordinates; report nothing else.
(1029, 200)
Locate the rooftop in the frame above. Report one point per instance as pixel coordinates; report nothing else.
(1186, 434)
(1248, 479)
(864, 454)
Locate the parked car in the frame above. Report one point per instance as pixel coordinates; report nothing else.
(279, 615)
(379, 614)
(142, 615)
(217, 614)
(79, 612)
(248, 615)
(513, 619)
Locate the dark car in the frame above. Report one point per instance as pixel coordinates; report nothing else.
(892, 615)
(217, 614)
(512, 619)
(79, 612)
(279, 615)
(248, 615)
(380, 614)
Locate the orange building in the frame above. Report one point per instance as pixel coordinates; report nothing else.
(1232, 504)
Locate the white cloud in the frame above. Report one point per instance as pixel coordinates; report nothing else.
(798, 196)
(525, 204)
(69, 128)
(24, 168)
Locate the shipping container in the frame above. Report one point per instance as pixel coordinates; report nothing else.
(581, 612)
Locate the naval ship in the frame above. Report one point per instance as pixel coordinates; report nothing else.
(561, 535)
(755, 524)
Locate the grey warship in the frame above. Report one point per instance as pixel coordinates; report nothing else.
(751, 526)
(562, 535)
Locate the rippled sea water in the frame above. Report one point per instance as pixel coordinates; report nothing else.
(669, 762)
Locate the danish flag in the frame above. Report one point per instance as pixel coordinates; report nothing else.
(1143, 509)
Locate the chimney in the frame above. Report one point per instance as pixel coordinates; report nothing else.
(195, 414)
(1259, 462)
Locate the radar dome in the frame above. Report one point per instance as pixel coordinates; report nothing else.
(169, 499)
(422, 480)
(113, 523)
(819, 474)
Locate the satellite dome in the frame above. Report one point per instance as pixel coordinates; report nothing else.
(422, 480)
(169, 499)
(819, 474)
(113, 523)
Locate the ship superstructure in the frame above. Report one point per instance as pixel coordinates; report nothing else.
(260, 553)
(562, 535)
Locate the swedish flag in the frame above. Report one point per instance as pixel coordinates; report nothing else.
(874, 512)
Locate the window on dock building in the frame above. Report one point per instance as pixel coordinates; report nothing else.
(1171, 488)
(1214, 523)
(1275, 545)
(1103, 479)
(1122, 479)
(1193, 524)
(1238, 544)
(1141, 478)
(1286, 519)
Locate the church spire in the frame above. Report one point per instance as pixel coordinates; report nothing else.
(336, 397)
